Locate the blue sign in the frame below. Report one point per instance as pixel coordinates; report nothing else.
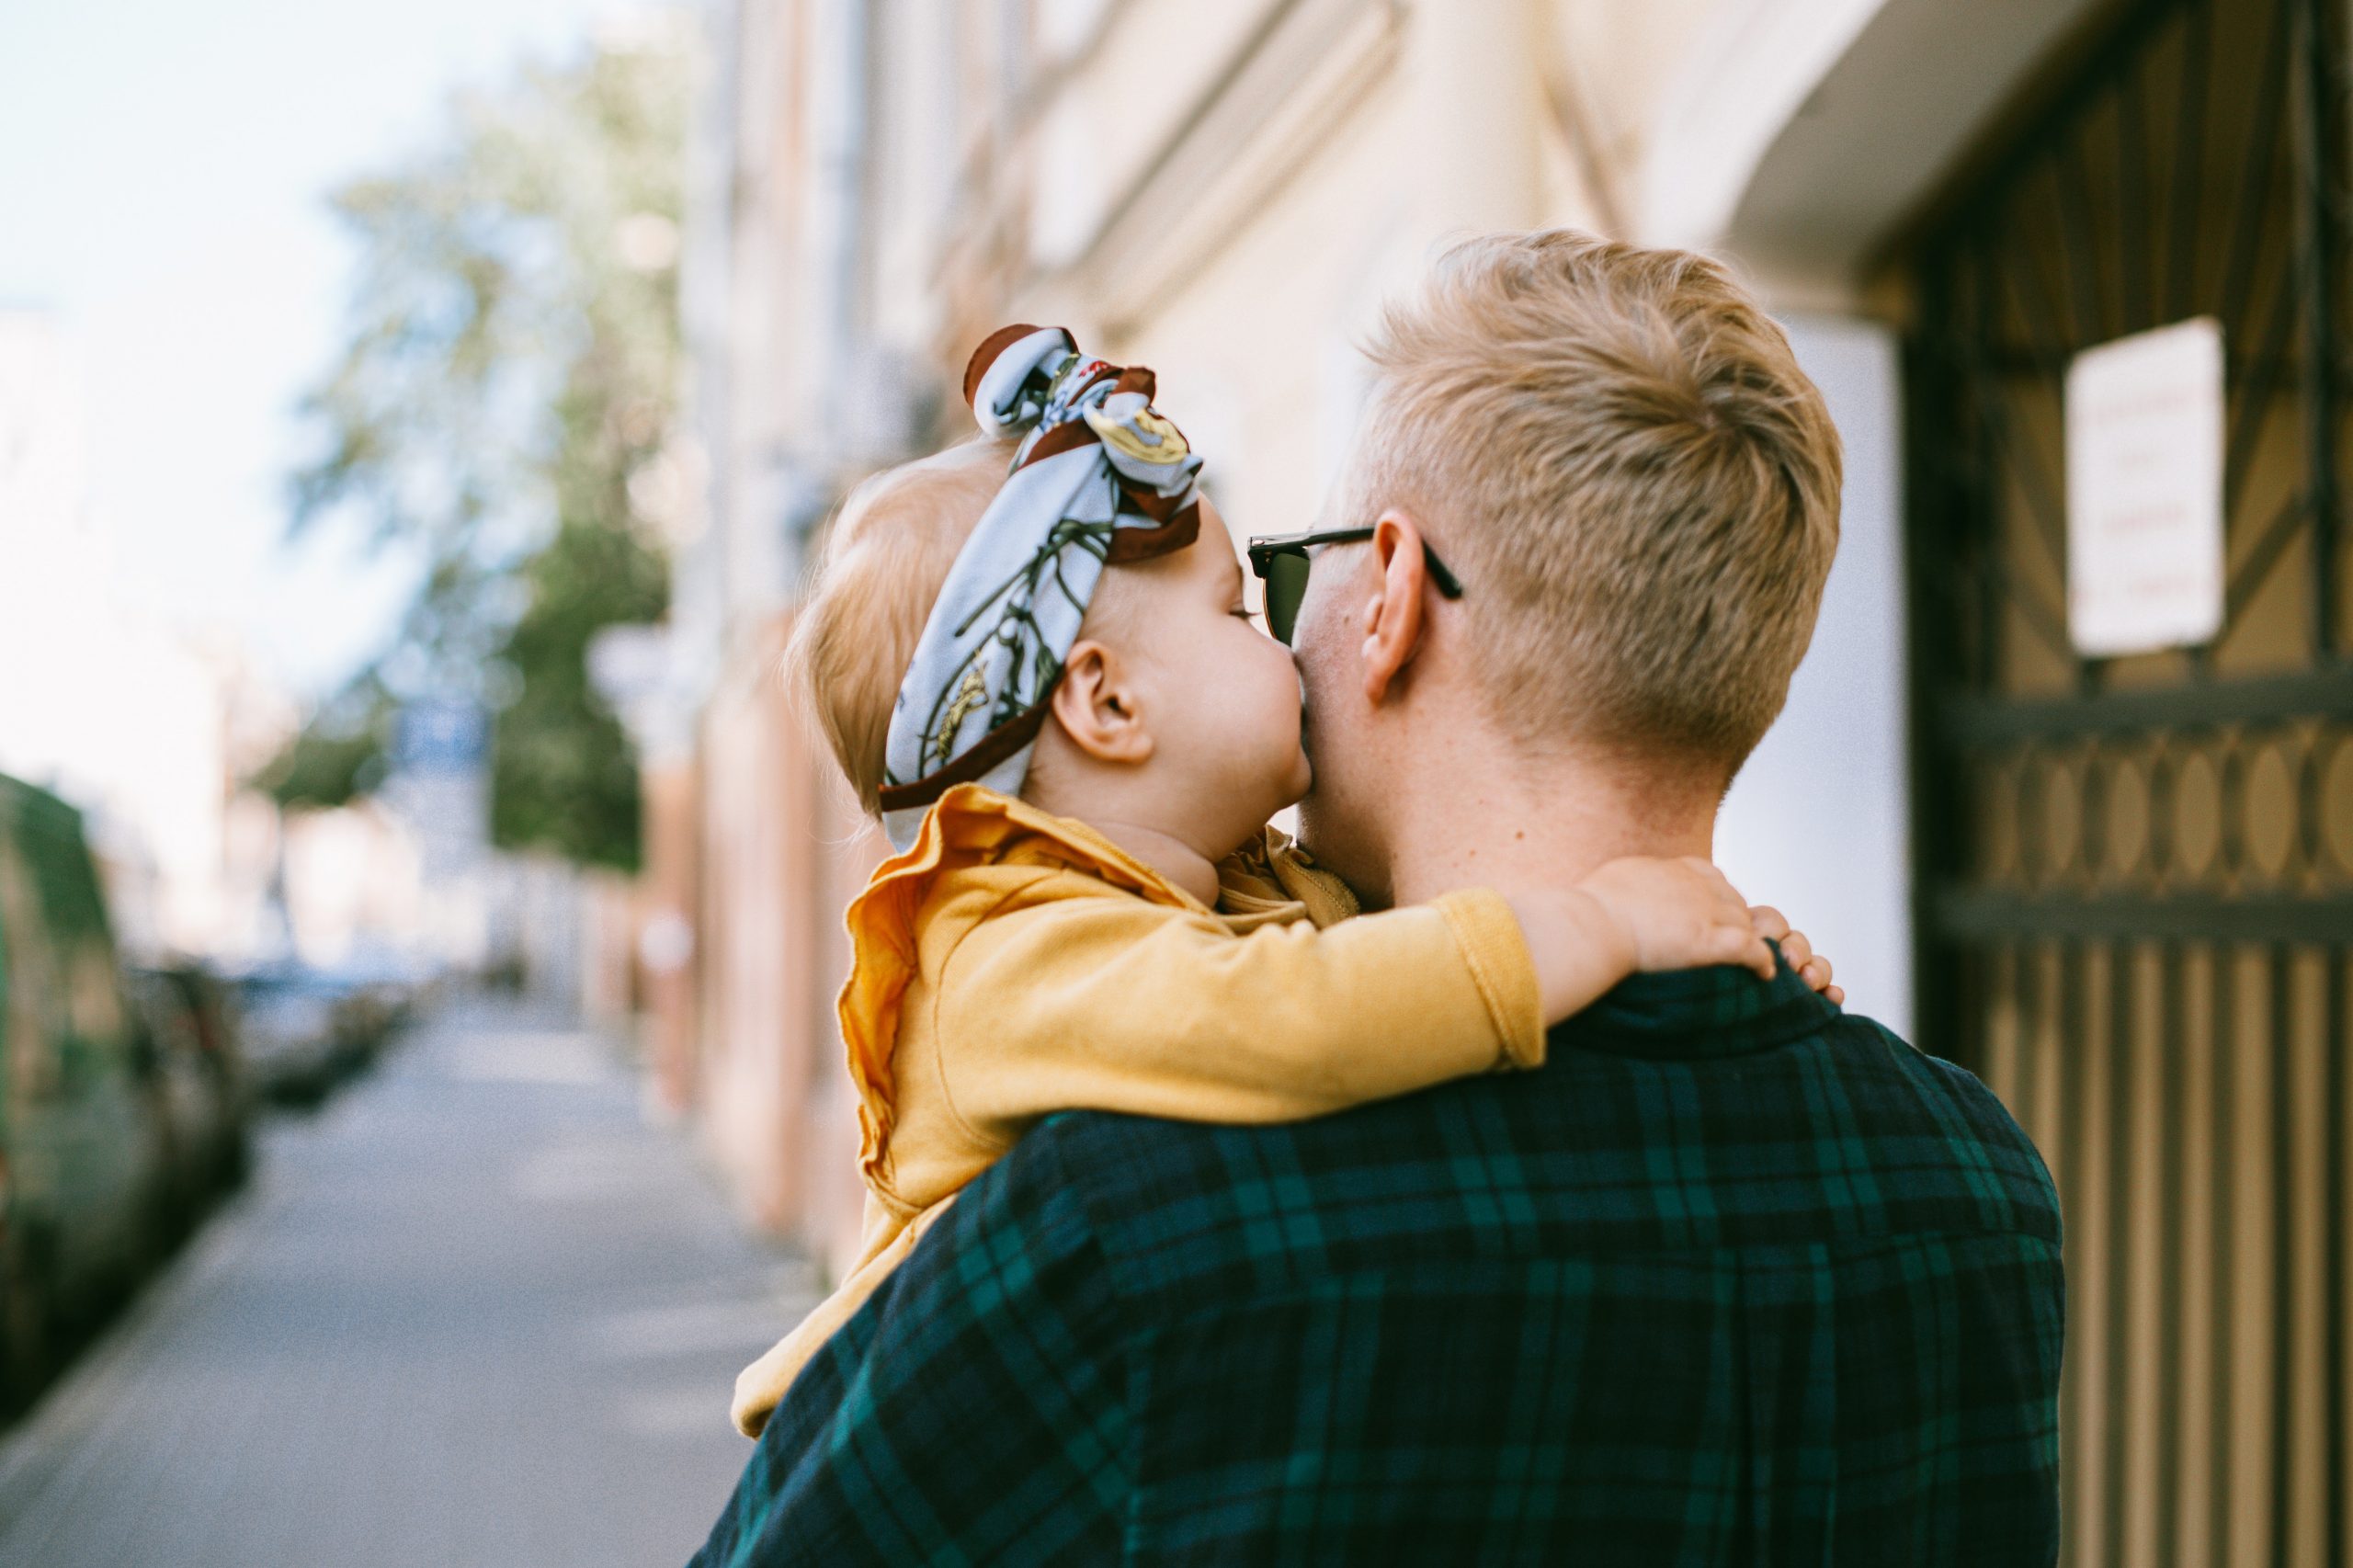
(441, 737)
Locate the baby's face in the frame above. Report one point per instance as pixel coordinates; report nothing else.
(1225, 719)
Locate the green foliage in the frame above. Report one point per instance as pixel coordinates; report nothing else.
(563, 772)
(339, 753)
(511, 358)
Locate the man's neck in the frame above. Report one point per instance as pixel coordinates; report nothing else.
(1538, 826)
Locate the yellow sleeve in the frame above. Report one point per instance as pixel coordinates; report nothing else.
(1105, 1001)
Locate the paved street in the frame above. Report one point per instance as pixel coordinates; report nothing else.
(476, 1312)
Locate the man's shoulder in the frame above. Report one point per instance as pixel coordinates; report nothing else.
(1922, 1107)
(1865, 1053)
(1845, 1132)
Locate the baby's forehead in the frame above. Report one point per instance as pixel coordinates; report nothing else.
(1127, 595)
(1208, 562)
(1212, 555)
(1216, 539)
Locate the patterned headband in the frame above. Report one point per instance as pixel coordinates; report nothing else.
(1100, 478)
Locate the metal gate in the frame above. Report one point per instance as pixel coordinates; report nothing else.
(2136, 874)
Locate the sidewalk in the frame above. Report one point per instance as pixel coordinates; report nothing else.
(475, 1313)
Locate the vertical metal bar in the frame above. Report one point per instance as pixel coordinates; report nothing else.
(2316, 273)
(2322, 126)
(2133, 216)
(1971, 1048)
(2162, 769)
(2026, 997)
(2091, 822)
(2116, 1196)
(2333, 1304)
(2050, 342)
(1983, 366)
(2173, 1119)
(2255, 183)
(2074, 1110)
(2223, 1182)
(2229, 847)
(2283, 1257)
(2081, 253)
(2311, 836)
(2188, 153)
(1985, 541)
(2034, 817)
(1933, 427)
(2088, 316)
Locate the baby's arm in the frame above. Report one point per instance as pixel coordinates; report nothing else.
(1076, 998)
(1629, 915)
(1106, 1001)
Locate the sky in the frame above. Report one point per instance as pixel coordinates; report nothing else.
(163, 173)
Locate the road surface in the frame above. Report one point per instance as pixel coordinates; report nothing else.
(478, 1312)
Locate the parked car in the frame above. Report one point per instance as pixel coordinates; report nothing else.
(305, 1027)
(382, 994)
(186, 1011)
(82, 1137)
(294, 1042)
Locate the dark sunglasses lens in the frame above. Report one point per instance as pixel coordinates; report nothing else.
(1286, 586)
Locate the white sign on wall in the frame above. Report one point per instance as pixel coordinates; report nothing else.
(2144, 491)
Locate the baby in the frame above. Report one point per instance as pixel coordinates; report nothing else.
(1032, 658)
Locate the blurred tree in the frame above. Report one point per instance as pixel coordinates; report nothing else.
(511, 363)
(340, 752)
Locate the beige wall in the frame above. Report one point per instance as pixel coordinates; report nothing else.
(673, 853)
(1234, 211)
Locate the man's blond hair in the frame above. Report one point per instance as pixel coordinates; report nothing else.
(1615, 449)
(885, 558)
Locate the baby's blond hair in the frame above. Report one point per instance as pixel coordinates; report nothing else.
(1616, 450)
(885, 558)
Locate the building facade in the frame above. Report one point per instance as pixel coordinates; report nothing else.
(2116, 885)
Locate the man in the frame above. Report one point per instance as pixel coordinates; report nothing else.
(1734, 1277)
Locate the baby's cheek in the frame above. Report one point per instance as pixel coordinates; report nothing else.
(1274, 686)
(1285, 708)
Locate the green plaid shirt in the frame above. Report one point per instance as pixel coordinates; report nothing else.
(1735, 1279)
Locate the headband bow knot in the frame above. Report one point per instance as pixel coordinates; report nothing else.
(1100, 478)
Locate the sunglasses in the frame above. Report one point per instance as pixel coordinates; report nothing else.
(1281, 562)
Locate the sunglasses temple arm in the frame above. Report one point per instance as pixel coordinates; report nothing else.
(1448, 583)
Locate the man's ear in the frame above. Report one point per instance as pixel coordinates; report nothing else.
(1392, 621)
(1098, 706)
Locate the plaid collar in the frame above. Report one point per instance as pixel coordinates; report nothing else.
(1696, 1014)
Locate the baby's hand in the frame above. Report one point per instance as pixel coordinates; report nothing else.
(1677, 915)
(1632, 914)
(1812, 967)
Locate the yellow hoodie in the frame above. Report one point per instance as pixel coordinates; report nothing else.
(1014, 963)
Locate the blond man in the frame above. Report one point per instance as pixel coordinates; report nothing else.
(1734, 1276)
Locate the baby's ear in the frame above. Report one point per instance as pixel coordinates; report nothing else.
(1098, 705)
